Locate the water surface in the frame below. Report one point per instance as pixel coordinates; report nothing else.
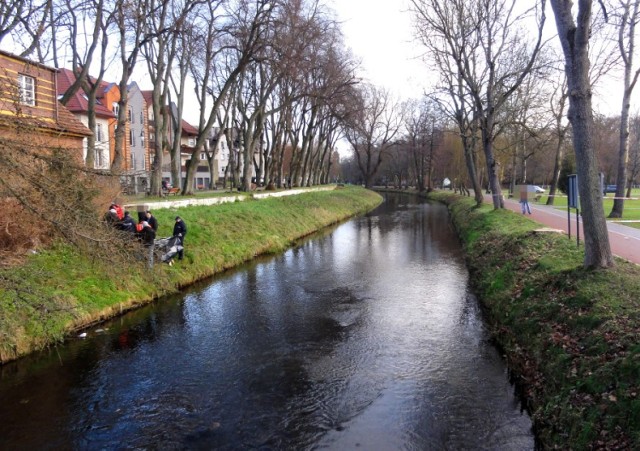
(365, 336)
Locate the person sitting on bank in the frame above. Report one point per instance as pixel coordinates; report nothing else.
(148, 236)
(180, 230)
(111, 217)
(153, 222)
(128, 224)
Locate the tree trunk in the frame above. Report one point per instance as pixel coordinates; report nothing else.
(556, 171)
(575, 42)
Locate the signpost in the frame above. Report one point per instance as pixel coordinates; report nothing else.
(573, 202)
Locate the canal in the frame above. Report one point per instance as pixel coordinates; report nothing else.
(363, 336)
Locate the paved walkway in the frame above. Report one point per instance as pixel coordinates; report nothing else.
(188, 201)
(624, 240)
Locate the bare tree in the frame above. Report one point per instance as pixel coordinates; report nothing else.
(628, 17)
(434, 28)
(557, 106)
(422, 137)
(222, 61)
(129, 22)
(574, 38)
(372, 127)
(84, 47)
(26, 22)
(490, 50)
(634, 155)
(165, 21)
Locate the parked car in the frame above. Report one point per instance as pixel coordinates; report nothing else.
(538, 189)
(609, 189)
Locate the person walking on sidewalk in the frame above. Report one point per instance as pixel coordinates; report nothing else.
(524, 200)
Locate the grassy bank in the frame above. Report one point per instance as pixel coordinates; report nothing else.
(61, 290)
(569, 335)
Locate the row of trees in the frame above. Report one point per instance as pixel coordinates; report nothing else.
(507, 91)
(270, 74)
(492, 59)
(274, 74)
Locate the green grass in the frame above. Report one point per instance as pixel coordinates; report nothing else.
(570, 335)
(631, 207)
(61, 289)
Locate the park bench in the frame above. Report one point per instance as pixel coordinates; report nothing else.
(174, 191)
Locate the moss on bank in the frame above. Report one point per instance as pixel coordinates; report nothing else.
(570, 335)
(60, 290)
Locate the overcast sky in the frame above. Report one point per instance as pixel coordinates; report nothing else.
(380, 33)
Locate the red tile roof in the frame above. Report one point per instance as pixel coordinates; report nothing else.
(189, 129)
(78, 102)
(67, 122)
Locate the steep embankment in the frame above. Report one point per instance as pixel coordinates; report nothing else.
(569, 334)
(62, 289)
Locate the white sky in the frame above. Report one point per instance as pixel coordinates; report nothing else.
(380, 33)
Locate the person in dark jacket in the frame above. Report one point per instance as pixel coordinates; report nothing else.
(128, 224)
(153, 222)
(180, 230)
(148, 236)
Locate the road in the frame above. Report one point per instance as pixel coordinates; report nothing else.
(624, 240)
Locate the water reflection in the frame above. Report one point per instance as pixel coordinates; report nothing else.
(365, 336)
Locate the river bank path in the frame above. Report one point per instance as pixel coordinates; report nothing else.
(624, 240)
(188, 201)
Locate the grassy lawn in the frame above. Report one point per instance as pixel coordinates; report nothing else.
(631, 206)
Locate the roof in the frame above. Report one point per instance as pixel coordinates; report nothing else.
(67, 122)
(148, 97)
(79, 103)
(64, 122)
(189, 129)
(27, 60)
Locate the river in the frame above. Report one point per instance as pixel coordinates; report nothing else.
(364, 336)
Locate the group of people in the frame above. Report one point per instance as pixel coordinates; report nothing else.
(145, 228)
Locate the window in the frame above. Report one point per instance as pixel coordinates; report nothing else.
(192, 142)
(203, 156)
(130, 116)
(141, 117)
(150, 114)
(152, 137)
(133, 161)
(99, 135)
(115, 107)
(27, 89)
(100, 160)
(131, 137)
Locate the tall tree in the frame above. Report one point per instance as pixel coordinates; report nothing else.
(165, 21)
(628, 16)
(26, 22)
(574, 33)
(372, 127)
(129, 23)
(559, 129)
(490, 50)
(227, 50)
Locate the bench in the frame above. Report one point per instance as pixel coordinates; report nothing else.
(174, 191)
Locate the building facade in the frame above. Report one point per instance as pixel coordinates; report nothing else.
(30, 114)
